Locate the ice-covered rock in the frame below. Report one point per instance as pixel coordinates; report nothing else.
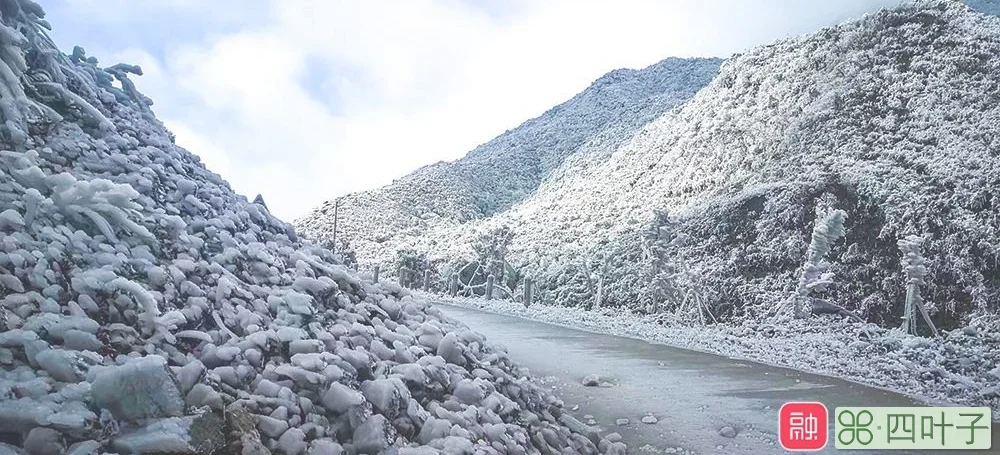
(88, 447)
(592, 380)
(450, 349)
(727, 432)
(139, 389)
(271, 427)
(325, 447)
(470, 392)
(373, 435)
(339, 398)
(44, 441)
(617, 448)
(293, 442)
(60, 364)
(189, 434)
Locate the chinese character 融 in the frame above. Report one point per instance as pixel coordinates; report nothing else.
(803, 427)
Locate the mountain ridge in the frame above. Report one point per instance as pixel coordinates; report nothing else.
(503, 170)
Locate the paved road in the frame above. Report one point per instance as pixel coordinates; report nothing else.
(692, 395)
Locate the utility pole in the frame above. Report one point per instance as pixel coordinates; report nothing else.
(336, 208)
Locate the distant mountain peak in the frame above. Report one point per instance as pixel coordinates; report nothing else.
(505, 170)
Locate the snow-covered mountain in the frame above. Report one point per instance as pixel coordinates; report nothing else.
(147, 308)
(985, 6)
(505, 170)
(891, 117)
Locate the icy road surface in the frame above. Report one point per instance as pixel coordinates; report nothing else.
(692, 395)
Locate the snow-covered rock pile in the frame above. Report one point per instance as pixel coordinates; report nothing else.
(147, 308)
(510, 167)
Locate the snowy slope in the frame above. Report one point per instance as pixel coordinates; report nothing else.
(891, 117)
(147, 308)
(510, 167)
(985, 6)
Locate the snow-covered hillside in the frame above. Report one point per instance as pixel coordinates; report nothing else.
(891, 117)
(147, 308)
(985, 6)
(510, 167)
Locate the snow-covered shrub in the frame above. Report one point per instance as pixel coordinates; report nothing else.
(659, 268)
(413, 264)
(815, 276)
(491, 248)
(915, 271)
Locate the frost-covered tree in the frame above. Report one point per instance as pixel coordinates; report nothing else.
(659, 267)
(343, 252)
(413, 263)
(915, 271)
(347, 255)
(491, 249)
(814, 276)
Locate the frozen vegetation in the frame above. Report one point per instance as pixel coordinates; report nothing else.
(147, 308)
(712, 210)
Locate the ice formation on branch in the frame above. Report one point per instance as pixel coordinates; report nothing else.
(815, 277)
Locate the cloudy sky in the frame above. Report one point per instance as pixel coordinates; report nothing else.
(304, 101)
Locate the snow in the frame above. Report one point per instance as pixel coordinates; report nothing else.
(339, 398)
(144, 303)
(888, 359)
(139, 389)
(889, 118)
(503, 171)
(781, 135)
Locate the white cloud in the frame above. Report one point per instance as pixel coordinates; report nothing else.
(320, 98)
